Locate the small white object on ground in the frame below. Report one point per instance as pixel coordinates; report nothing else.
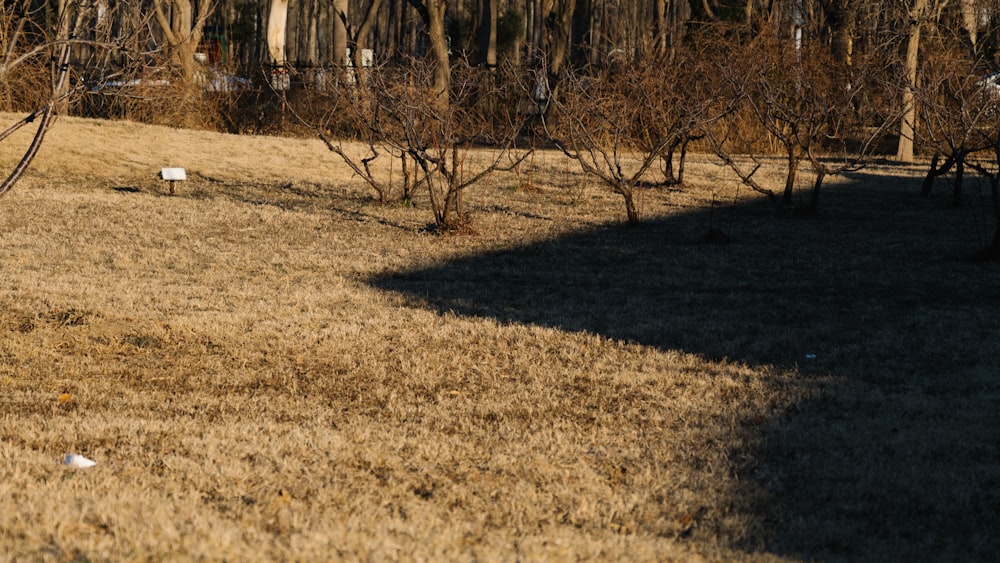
(810, 356)
(75, 460)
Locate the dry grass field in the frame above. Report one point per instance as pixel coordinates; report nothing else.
(270, 366)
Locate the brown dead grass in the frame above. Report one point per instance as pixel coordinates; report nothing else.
(270, 366)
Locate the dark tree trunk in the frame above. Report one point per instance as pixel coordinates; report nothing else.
(813, 206)
(934, 172)
(487, 33)
(680, 163)
(559, 29)
(843, 20)
(995, 196)
(956, 194)
(669, 179)
(630, 210)
(793, 169)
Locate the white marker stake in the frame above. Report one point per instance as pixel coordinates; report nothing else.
(173, 175)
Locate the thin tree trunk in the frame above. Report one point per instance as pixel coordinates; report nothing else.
(661, 27)
(813, 206)
(439, 50)
(339, 37)
(904, 150)
(536, 26)
(793, 169)
(312, 40)
(487, 33)
(669, 179)
(630, 209)
(680, 164)
(182, 27)
(970, 24)
(956, 193)
(595, 26)
(558, 36)
(360, 40)
(995, 193)
(844, 21)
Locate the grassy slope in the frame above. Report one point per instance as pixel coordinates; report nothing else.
(269, 366)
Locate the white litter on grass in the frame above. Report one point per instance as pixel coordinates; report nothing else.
(810, 356)
(75, 460)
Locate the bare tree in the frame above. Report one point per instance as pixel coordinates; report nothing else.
(54, 49)
(687, 101)
(954, 105)
(400, 115)
(618, 122)
(827, 115)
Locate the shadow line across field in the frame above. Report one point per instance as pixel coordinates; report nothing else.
(871, 301)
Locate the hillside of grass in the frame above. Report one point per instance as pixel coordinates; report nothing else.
(269, 365)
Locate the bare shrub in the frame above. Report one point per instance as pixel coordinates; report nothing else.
(398, 114)
(619, 122)
(960, 120)
(593, 121)
(954, 104)
(685, 101)
(811, 108)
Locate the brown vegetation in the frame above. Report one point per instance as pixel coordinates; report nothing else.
(268, 365)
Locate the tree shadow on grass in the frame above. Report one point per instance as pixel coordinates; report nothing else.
(900, 458)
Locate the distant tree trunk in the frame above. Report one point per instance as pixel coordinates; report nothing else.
(276, 26)
(296, 18)
(558, 30)
(432, 13)
(904, 150)
(708, 10)
(312, 37)
(842, 25)
(970, 24)
(595, 26)
(359, 41)
(661, 28)
(487, 33)
(183, 28)
(535, 23)
(339, 37)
